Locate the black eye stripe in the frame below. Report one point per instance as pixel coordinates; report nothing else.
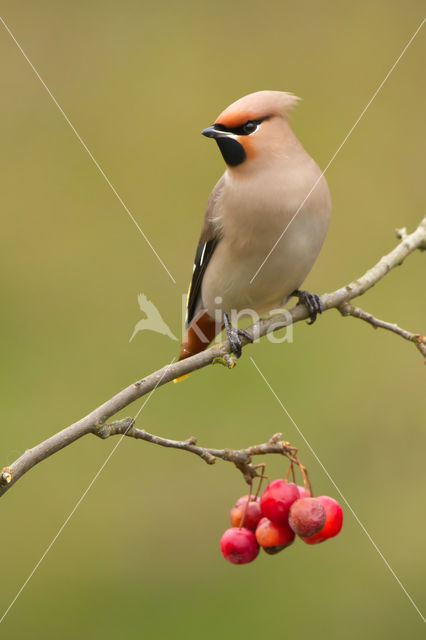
(241, 130)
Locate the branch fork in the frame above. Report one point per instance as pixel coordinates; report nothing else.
(96, 421)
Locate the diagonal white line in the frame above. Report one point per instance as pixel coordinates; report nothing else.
(86, 148)
(80, 500)
(339, 492)
(343, 142)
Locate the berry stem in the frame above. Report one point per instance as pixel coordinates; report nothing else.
(246, 506)
(287, 475)
(306, 480)
(262, 466)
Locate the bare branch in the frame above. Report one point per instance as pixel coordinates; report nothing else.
(242, 458)
(97, 418)
(416, 338)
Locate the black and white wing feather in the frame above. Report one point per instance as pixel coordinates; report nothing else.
(202, 258)
(209, 239)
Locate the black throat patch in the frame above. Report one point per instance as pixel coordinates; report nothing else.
(232, 151)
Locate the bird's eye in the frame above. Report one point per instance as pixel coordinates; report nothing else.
(250, 126)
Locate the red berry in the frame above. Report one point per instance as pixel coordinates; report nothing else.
(252, 514)
(239, 546)
(304, 493)
(277, 500)
(333, 522)
(307, 516)
(273, 537)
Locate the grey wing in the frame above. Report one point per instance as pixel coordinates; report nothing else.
(209, 239)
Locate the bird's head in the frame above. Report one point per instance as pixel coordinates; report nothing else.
(253, 128)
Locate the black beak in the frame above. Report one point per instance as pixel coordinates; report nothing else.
(232, 151)
(211, 132)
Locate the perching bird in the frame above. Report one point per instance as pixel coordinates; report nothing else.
(268, 179)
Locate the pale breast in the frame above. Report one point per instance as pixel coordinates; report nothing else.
(253, 218)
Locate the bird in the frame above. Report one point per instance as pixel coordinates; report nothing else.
(265, 222)
(153, 320)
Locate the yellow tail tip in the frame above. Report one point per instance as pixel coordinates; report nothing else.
(181, 377)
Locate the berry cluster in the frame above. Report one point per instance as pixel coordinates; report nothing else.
(272, 521)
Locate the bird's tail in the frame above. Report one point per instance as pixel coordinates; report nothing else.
(202, 330)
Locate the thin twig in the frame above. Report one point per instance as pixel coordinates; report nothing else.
(10, 474)
(416, 338)
(240, 457)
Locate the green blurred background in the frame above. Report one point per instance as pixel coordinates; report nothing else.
(140, 556)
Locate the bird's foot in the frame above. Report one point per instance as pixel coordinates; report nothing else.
(311, 301)
(234, 336)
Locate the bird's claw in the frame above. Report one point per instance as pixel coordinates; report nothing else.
(312, 302)
(234, 336)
